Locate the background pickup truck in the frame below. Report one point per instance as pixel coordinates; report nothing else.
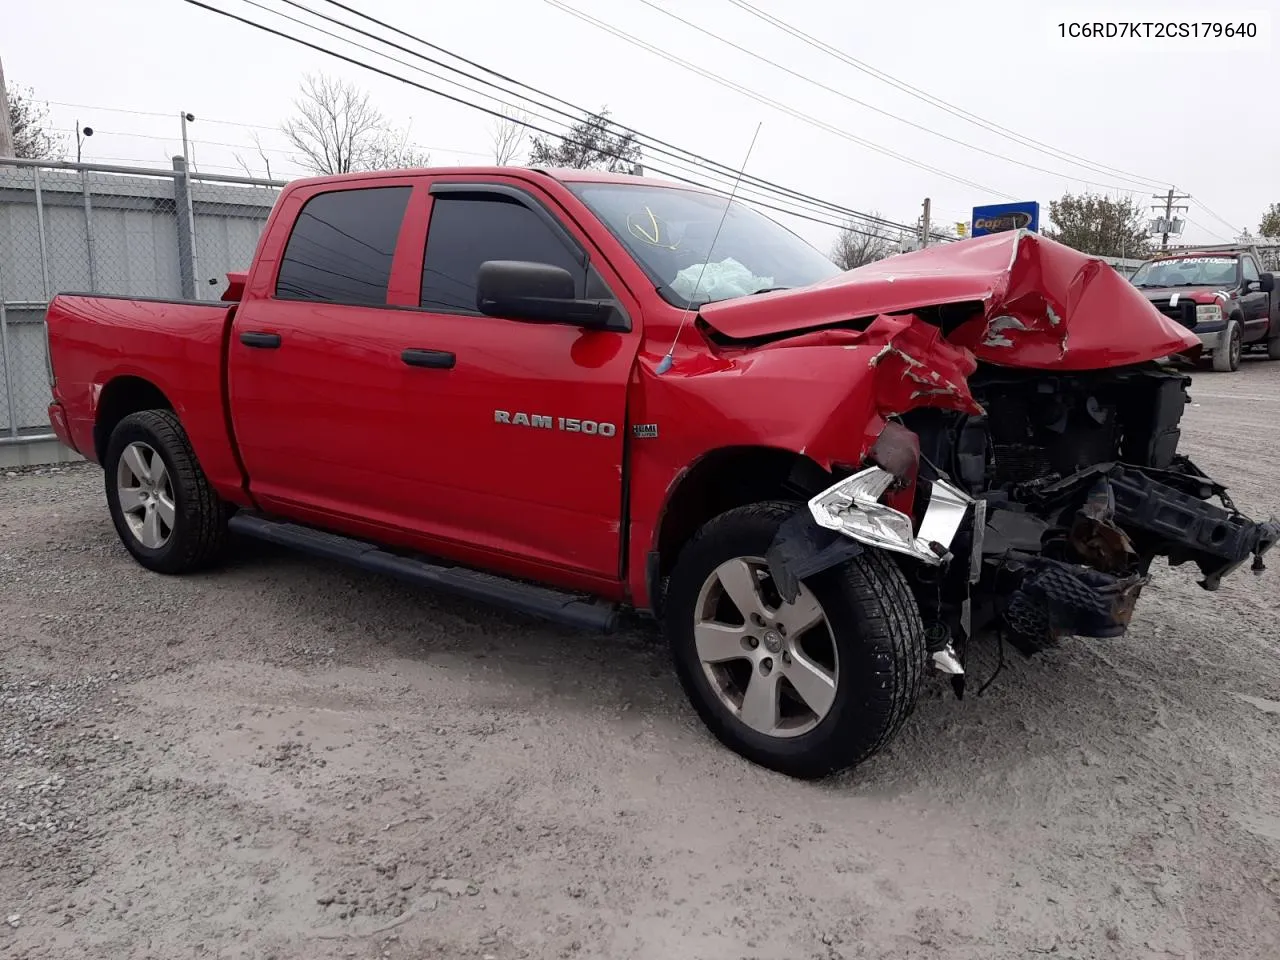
(1219, 295)
(572, 393)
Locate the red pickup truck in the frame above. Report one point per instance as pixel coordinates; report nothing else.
(571, 393)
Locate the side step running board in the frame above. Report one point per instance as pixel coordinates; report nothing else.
(573, 610)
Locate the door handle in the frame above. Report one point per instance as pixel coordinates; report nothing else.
(439, 359)
(266, 341)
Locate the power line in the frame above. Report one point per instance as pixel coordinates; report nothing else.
(156, 113)
(938, 102)
(677, 154)
(253, 146)
(1217, 236)
(769, 101)
(862, 103)
(573, 116)
(649, 142)
(464, 102)
(574, 113)
(1221, 220)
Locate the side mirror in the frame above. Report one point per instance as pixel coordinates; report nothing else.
(538, 293)
(1266, 282)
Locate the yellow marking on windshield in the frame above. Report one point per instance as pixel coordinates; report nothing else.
(653, 235)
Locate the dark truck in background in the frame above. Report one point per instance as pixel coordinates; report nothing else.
(571, 393)
(1222, 296)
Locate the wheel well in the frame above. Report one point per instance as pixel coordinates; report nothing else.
(728, 478)
(121, 397)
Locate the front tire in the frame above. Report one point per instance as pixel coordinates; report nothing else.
(1226, 358)
(163, 508)
(808, 688)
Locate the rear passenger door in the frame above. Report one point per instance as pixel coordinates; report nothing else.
(527, 431)
(316, 377)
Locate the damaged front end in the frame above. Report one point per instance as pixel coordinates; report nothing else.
(1036, 520)
(1035, 511)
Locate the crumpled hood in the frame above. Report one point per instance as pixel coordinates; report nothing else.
(1044, 305)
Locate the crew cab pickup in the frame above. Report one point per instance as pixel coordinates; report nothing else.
(1221, 296)
(572, 393)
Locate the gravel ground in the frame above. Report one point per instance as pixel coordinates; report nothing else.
(284, 759)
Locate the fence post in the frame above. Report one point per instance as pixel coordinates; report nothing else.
(186, 228)
(8, 368)
(88, 232)
(44, 249)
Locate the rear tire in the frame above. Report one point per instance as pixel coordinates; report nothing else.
(869, 646)
(163, 508)
(1226, 359)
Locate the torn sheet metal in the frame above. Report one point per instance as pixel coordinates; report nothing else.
(916, 367)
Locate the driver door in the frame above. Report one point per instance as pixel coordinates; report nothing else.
(1255, 303)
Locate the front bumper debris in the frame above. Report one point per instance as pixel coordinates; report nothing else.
(1040, 561)
(1166, 513)
(1057, 599)
(852, 507)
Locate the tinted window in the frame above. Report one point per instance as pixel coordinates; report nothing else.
(1250, 269)
(342, 246)
(467, 231)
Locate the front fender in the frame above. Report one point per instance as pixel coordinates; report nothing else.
(825, 396)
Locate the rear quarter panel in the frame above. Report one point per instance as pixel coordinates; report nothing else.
(177, 346)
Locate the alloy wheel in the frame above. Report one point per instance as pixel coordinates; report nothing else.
(145, 492)
(773, 665)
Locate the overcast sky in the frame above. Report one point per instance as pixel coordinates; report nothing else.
(1180, 113)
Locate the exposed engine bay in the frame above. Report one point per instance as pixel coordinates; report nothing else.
(1079, 488)
(1024, 464)
(1076, 488)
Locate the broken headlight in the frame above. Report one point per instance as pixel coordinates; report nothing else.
(852, 507)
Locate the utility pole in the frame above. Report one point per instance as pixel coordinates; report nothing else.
(81, 133)
(924, 225)
(191, 213)
(6, 133)
(1169, 208)
(186, 156)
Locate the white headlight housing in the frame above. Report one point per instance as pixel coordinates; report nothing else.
(1208, 312)
(852, 507)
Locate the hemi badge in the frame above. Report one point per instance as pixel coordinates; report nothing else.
(645, 431)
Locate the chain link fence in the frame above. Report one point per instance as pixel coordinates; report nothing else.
(131, 231)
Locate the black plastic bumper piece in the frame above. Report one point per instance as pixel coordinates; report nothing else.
(1057, 599)
(570, 609)
(1189, 528)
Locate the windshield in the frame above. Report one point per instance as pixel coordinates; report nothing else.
(1187, 272)
(669, 231)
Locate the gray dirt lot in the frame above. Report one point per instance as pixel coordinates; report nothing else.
(284, 759)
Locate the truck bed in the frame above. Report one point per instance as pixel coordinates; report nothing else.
(101, 347)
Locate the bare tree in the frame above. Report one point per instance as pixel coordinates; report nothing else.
(339, 130)
(861, 242)
(595, 143)
(393, 151)
(509, 133)
(262, 155)
(29, 121)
